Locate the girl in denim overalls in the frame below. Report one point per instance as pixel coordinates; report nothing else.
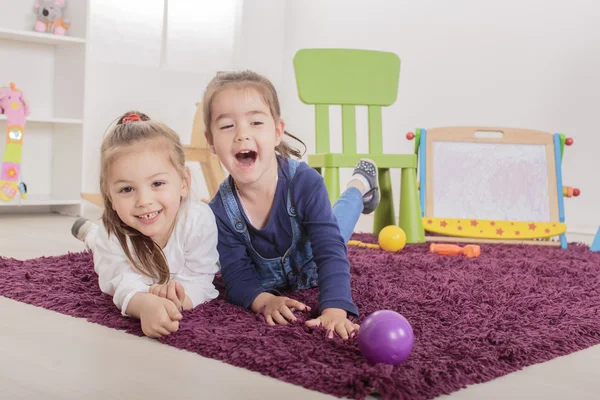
(277, 229)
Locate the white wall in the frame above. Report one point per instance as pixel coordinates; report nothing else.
(520, 64)
(135, 63)
(526, 64)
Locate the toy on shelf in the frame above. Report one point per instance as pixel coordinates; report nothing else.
(51, 17)
(14, 105)
(445, 249)
(492, 185)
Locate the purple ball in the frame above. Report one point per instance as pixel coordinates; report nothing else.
(385, 337)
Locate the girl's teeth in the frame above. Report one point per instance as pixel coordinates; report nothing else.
(149, 216)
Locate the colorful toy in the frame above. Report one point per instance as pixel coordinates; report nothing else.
(51, 17)
(364, 245)
(385, 337)
(445, 249)
(14, 105)
(494, 185)
(391, 238)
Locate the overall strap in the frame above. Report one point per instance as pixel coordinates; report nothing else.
(233, 212)
(291, 209)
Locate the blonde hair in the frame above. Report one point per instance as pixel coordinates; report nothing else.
(245, 79)
(133, 128)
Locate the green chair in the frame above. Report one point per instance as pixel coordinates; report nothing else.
(353, 78)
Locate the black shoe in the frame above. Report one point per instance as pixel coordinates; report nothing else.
(368, 169)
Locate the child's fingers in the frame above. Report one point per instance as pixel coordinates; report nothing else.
(154, 289)
(173, 311)
(269, 319)
(352, 329)
(277, 317)
(159, 332)
(287, 314)
(311, 323)
(172, 326)
(341, 330)
(172, 295)
(163, 291)
(180, 291)
(296, 305)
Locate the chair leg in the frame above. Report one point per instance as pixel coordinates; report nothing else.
(410, 208)
(331, 176)
(384, 213)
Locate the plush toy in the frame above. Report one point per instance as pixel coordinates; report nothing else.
(51, 17)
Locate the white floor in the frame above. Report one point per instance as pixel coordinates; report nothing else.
(48, 355)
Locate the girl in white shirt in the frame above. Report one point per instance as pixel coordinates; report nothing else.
(156, 251)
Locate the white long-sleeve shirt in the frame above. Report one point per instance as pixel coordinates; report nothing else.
(191, 253)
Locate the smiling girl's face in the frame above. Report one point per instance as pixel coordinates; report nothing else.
(245, 135)
(146, 190)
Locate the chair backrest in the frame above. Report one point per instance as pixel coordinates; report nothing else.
(199, 150)
(349, 78)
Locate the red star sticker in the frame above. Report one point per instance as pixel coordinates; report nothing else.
(492, 223)
(517, 233)
(460, 228)
(430, 222)
(443, 224)
(547, 230)
(499, 231)
(474, 222)
(532, 227)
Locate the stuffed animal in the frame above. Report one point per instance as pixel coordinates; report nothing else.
(51, 17)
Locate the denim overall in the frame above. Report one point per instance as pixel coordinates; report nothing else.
(294, 270)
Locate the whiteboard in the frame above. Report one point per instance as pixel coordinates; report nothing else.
(512, 178)
(498, 181)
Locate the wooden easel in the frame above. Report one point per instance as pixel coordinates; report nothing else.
(198, 150)
(492, 229)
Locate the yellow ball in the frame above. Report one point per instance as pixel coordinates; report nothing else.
(392, 238)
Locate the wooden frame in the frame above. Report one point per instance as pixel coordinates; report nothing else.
(511, 136)
(476, 229)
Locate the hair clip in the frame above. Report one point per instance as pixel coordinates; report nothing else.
(131, 117)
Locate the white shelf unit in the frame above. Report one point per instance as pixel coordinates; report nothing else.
(50, 70)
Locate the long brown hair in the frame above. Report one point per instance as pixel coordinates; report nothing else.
(133, 128)
(243, 79)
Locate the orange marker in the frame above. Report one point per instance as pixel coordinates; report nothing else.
(470, 250)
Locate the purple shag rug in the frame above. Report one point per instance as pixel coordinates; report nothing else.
(474, 319)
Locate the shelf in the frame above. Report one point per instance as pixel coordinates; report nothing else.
(37, 37)
(40, 200)
(65, 121)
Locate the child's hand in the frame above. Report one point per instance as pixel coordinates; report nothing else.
(277, 309)
(159, 317)
(172, 291)
(334, 320)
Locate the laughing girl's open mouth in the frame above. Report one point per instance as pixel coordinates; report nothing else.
(246, 157)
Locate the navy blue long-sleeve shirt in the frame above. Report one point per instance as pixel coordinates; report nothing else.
(314, 210)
